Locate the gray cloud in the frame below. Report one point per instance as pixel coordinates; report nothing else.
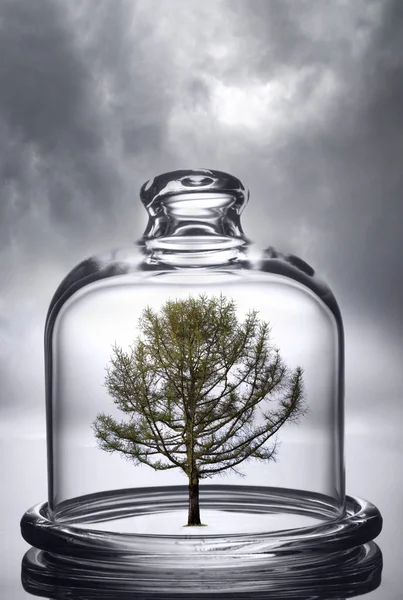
(302, 101)
(43, 81)
(336, 176)
(79, 105)
(45, 104)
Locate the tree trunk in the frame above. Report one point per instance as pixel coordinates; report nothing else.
(194, 508)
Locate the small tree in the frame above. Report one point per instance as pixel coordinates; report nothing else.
(192, 389)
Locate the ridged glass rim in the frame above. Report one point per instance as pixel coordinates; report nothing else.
(360, 523)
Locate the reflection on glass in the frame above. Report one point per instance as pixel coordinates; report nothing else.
(341, 575)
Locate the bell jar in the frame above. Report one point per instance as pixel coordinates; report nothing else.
(195, 390)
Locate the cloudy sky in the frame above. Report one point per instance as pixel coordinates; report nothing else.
(300, 99)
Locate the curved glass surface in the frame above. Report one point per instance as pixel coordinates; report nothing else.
(194, 248)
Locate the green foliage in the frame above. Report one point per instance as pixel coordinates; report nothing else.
(200, 390)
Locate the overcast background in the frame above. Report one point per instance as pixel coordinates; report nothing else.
(302, 100)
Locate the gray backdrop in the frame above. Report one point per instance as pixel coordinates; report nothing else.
(302, 100)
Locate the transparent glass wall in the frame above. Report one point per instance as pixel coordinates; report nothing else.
(194, 247)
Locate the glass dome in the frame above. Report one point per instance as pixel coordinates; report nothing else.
(195, 391)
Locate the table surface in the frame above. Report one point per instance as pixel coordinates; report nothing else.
(374, 461)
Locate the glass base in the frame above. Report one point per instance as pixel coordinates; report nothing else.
(242, 522)
(337, 575)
